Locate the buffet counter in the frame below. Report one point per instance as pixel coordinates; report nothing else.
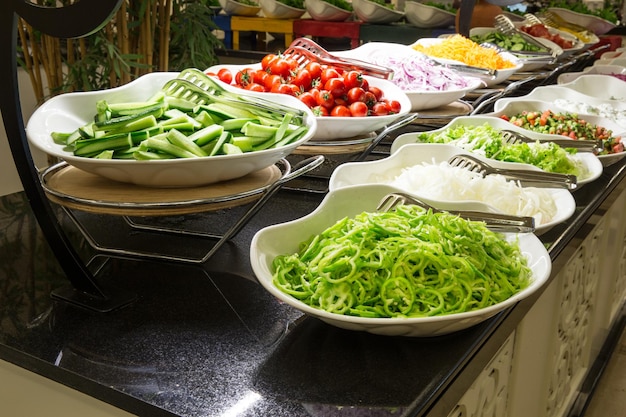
(208, 340)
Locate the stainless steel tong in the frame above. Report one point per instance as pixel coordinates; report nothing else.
(505, 25)
(494, 221)
(305, 50)
(512, 137)
(524, 176)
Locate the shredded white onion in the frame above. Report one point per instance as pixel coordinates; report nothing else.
(417, 73)
(444, 182)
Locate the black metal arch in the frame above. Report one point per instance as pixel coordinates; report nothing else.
(77, 20)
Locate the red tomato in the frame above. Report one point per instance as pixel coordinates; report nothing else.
(225, 75)
(340, 111)
(315, 69)
(259, 77)
(255, 87)
(243, 78)
(270, 80)
(365, 85)
(356, 94)
(394, 106)
(326, 99)
(308, 98)
(284, 89)
(358, 109)
(267, 60)
(353, 79)
(370, 99)
(378, 93)
(380, 109)
(336, 87)
(302, 79)
(328, 73)
(280, 66)
(320, 111)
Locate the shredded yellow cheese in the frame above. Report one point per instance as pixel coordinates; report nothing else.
(459, 48)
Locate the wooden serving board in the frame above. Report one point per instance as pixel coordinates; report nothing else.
(78, 189)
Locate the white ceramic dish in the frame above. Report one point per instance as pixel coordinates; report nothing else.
(588, 161)
(560, 99)
(277, 10)
(67, 112)
(324, 11)
(380, 52)
(502, 74)
(384, 171)
(424, 16)
(621, 61)
(285, 237)
(372, 12)
(330, 128)
(595, 24)
(603, 69)
(234, 8)
(599, 86)
(515, 106)
(577, 46)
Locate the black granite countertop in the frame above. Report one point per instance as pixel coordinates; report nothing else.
(200, 340)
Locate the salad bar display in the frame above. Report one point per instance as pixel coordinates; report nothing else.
(378, 204)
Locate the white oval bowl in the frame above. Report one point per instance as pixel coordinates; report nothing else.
(376, 52)
(424, 16)
(372, 12)
(384, 171)
(67, 112)
(502, 74)
(324, 11)
(604, 69)
(277, 10)
(587, 160)
(284, 238)
(595, 24)
(234, 8)
(330, 128)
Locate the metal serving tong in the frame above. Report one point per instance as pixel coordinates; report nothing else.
(195, 86)
(494, 221)
(524, 176)
(512, 137)
(305, 50)
(505, 25)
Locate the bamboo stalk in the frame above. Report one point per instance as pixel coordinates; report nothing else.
(33, 73)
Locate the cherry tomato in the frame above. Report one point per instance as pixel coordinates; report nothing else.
(336, 86)
(394, 106)
(358, 109)
(328, 73)
(315, 69)
(302, 79)
(308, 98)
(225, 75)
(380, 109)
(325, 99)
(289, 89)
(267, 60)
(270, 80)
(378, 93)
(340, 111)
(356, 94)
(353, 79)
(365, 85)
(243, 78)
(280, 66)
(259, 77)
(370, 99)
(320, 111)
(255, 87)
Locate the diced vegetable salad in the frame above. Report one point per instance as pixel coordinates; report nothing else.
(405, 263)
(487, 141)
(183, 120)
(567, 124)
